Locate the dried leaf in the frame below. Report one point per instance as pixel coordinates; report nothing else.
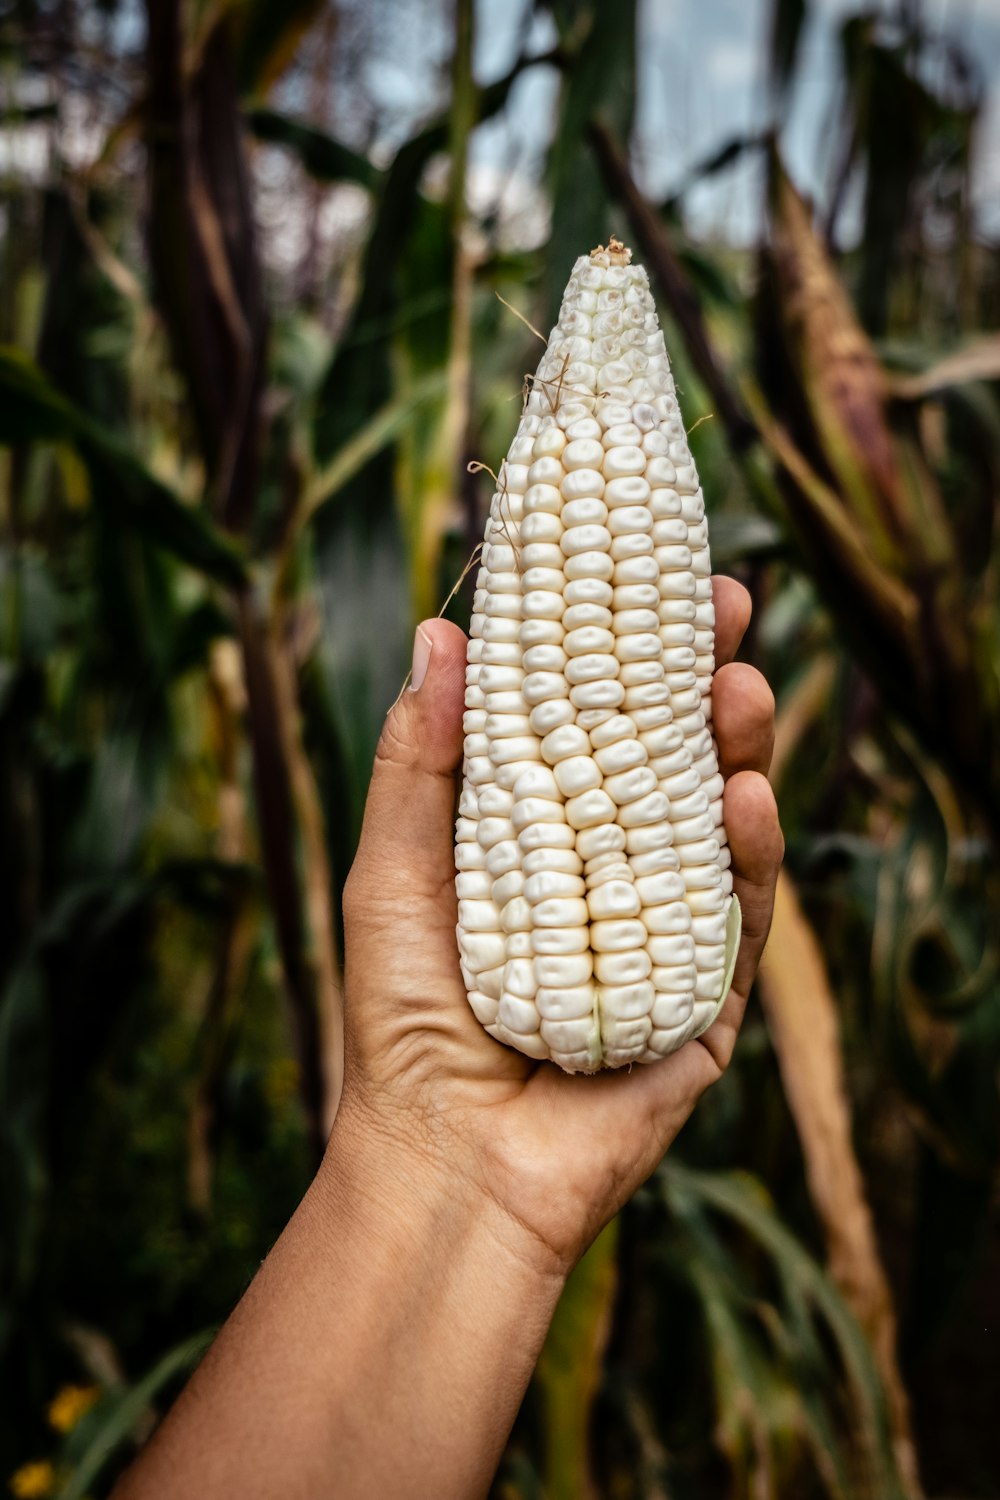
(842, 381)
(979, 360)
(801, 1014)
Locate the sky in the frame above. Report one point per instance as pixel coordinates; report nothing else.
(700, 83)
(701, 74)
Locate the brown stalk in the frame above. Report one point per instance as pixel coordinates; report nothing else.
(233, 950)
(209, 289)
(822, 521)
(235, 934)
(843, 382)
(869, 519)
(202, 248)
(866, 505)
(438, 500)
(318, 894)
(320, 86)
(652, 1456)
(270, 735)
(801, 1017)
(801, 1013)
(653, 239)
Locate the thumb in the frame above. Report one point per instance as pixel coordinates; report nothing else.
(407, 837)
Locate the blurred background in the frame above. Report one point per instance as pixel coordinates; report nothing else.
(262, 266)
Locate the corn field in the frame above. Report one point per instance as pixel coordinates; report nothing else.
(270, 275)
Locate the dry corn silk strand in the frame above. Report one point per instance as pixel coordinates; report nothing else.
(597, 924)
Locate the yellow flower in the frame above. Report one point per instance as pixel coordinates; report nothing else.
(72, 1403)
(33, 1481)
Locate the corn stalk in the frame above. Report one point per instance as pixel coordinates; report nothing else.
(209, 289)
(431, 482)
(864, 505)
(858, 504)
(569, 1369)
(236, 929)
(801, 1014)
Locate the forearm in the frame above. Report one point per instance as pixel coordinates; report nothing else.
(383, 1349)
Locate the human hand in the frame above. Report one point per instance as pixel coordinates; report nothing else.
(386, 1343)
(556, 1154)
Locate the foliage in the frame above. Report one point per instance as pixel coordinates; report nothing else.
(234, 474)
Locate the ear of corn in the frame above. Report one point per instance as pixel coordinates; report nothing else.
(597, 925)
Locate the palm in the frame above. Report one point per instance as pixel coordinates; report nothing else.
(552, 1148)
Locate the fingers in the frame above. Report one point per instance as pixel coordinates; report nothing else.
(732, 616)
(757, 845)
(743, 719)
(757, 848)
(408, 826)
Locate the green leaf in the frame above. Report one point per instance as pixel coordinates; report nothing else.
(33, 410)
(267, 36)
(122, 1412)
(806, 1293)
(601, 80)
(321, 154)
(35, 608)
(383, 428)
(737, 539)
(749, 1426)
(569, 1369)
(361, 552)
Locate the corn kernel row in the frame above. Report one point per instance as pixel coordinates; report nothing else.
(594, 891)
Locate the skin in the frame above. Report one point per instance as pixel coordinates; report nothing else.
(386, 1343)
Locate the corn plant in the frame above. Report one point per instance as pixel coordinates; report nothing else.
(230, 486)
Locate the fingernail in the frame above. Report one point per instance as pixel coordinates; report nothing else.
(423, 645)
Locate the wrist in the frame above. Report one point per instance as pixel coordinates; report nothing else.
(420, 1188)
(423, 1274)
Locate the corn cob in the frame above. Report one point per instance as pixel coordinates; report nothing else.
(597, 924)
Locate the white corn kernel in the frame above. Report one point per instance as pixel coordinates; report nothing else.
(548, 883)
(560, 941)
(629, 967)
(589, 809)
(655, 889)
(568, 1036)
(545, 835)
(613, 898)
(671, 1010)
(596, 923)
(484, 1007)
(600, 838)
(567, 1004)
(520, 1016)
(558, 861)
(601, 866)
(618, 935)
(667, 919)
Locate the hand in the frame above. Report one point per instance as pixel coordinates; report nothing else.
(558, 1154)
(385, 1345)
